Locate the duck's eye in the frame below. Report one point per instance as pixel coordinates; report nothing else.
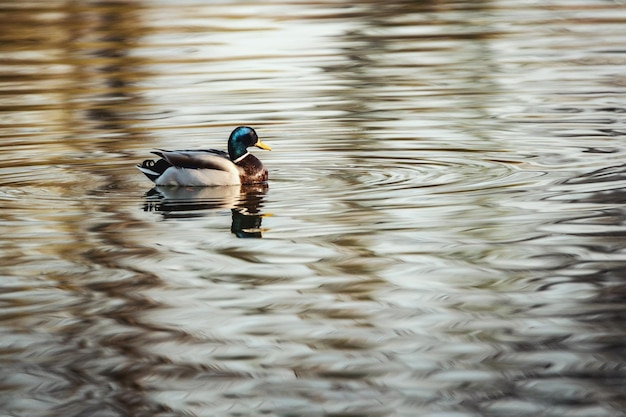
(252, 138)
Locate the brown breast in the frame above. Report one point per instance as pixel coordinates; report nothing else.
(253, 171)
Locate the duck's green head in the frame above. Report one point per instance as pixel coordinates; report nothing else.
(242, 138)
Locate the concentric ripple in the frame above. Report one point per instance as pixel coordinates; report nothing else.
(394, 178)
(331, 195)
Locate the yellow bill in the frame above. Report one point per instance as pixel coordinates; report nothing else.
(261, 145)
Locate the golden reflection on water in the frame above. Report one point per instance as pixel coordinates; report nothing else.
(442, 232)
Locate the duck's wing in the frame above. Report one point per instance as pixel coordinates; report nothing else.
(198, 159)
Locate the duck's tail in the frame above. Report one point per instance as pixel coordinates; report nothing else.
(153, 169)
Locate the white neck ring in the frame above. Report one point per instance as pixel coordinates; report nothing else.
(241, 157)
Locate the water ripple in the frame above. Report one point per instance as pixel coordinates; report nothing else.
(384, 179)
(442, 232)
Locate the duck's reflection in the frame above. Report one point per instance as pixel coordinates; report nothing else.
(245, 202)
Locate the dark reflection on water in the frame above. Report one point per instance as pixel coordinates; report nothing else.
(442, 235)
(244, 201)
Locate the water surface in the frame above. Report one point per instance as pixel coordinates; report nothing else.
(442, 233)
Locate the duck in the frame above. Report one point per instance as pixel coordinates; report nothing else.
(210, 167)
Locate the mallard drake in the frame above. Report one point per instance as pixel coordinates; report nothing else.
(210, 167)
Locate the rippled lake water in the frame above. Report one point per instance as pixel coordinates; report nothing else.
(443, 232)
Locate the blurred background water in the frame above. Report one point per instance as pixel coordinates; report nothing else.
(442, 233)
